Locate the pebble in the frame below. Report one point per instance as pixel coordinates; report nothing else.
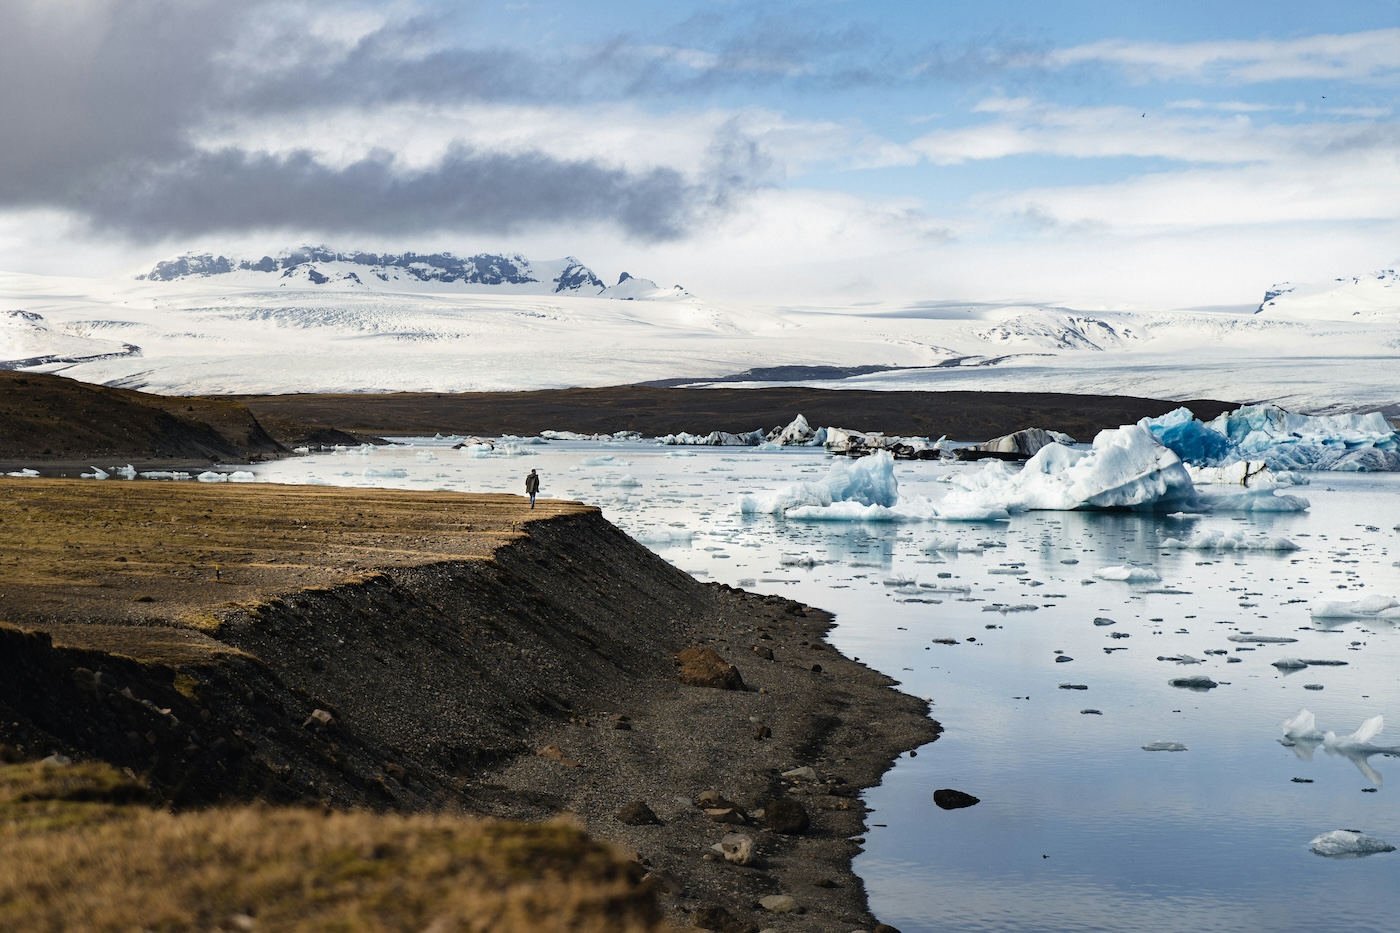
(779, 903)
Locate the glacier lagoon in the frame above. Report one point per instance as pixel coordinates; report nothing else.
(1080, 827)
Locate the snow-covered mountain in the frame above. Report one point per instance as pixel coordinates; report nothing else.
(320, 267)
(316, 320)
(1372, 296)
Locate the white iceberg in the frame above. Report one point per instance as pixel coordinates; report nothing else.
(867, 484)
(1126, 574)
(1211, 539)
(1343, 843)
(1372, 607)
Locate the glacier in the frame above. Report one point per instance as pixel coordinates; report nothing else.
(1281, 440)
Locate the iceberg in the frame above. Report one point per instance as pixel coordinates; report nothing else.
(1128, 574)
(1211, 539)
(1372, 607)
(1281, 440)
(1348, 843)
(865, 489)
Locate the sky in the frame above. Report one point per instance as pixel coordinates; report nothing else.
(1089, 154)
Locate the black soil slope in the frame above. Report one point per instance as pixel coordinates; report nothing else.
(50, 418)
(437, 686)
(658, 411)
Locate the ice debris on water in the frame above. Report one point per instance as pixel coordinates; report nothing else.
(1345, 843)
(1372, 607)
(1128, 574)
(1215, 540)
(1164, 747)
(1198, 682)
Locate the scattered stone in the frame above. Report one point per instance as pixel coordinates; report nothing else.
(703, 667)
(1312, 686)
(786, 816)
(816, 668)
(721, 921)
(805, 773)
(1103, 621)
(737, 849)
(619, 721)
(948, 799)
(884, 928)
(713, 800)
(1301, 780)
(555, 753)
(663, 881)
(319, 719)
(726, 815)
(763, 652)
(637, 813)
(761, 731)
(780, 903)
(1062, 658)
(1090, 712)
(1074, 686)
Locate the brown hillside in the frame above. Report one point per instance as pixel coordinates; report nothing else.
(45, 417)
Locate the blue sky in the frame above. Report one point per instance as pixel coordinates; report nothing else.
(1094, 154)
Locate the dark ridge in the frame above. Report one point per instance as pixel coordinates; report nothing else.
(656, 411)
(49, 418)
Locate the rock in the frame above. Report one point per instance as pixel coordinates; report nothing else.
(949, 799)
(737, 848)
(884, 928)
(662, 880)
(319, 719)
(816, 668)
(721, 921)
(619, 721)
(555, 753)
(786, 816)
(801, 774)
(703, 667)
(637, 813)
(713, 800)
(780, 903)
(56, 760)
(763, 652)
(761, 731)
(726, 815)
(1199, 682)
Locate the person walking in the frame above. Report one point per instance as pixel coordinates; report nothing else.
(532, 486)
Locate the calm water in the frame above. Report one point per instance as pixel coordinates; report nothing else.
(1079, 828)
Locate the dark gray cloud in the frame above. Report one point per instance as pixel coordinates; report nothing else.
(100, 103)
(235, 191)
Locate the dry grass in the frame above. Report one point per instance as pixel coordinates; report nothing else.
(76, 863)
(143, 553)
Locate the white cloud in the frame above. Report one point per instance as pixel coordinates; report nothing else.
(1372, 56)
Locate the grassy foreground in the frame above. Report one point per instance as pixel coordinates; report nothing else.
(77, 858)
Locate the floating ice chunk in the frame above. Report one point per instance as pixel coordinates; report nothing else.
(301, 450)
(951, 546)
(243, 476)
(1164, 747)
(27, 473)
(372, 473)
(1372, 607)
(1261, 639)
(1302, 728)
(1197, 682)
(1348, 843)
(868, 482)
(664, 536)
(1212, 539)
(1290, 664)
(1360, 740)
(126, 472)
(1128, 574)
(209, 476)
(97, 473)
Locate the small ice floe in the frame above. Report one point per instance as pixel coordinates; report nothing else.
(1164, 747)
(1301, 727)
(166, 474)
(301, 450)
(26, 473)
(1180, 659)
(1372, 607)
(900, 580)
(1197, 682)
(242, 476)
(97, 473)
(1251, 639)
(951, 546)
(1348, 843)
(126, 472)
(1209, 539)
(426, 456)
(806, 560)
(210, 476)
(1128, 574)
(1290, 664)
(372, 473)
(664, 536)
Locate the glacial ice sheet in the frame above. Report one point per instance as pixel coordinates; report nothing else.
(1281, 439)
